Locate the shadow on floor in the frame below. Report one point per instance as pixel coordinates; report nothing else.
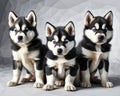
(114, 79)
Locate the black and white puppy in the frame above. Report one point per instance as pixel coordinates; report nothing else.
(60, 58)
(27, 49)
(95, 47)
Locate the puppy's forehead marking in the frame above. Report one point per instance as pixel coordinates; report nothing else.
(17, 26)
(56, 38)
(63, 38)
(97, 25)
(103, 26)
(23, 27)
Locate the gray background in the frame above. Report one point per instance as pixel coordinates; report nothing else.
(58, 12)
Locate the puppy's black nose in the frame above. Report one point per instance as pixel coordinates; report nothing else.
(59, 51)
(101, 38)
(20, 38)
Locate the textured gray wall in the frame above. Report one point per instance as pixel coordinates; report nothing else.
(59, 12)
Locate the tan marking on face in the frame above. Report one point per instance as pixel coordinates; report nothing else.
(17, 26)
(97, 25)
(56, 38)
(23, 27)
(63, 38)
(103, 26)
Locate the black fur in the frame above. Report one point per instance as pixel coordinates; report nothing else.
(50, 55)
(73, 70)
(17, 64)
(72, 54)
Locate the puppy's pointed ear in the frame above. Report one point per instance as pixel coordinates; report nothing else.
(88, 18)
(12, 17)
(109, 18)
(70, 28)
(31, 18)
(49, 29)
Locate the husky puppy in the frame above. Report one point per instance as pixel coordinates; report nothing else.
(61, 55)
(95, 47)
(27, 49)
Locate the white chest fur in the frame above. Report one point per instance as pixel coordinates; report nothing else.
(27, 58)
(61, 64)
(95, 56)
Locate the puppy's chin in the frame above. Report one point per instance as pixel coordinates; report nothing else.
(59, 55)
(22, 43)
(101, 42)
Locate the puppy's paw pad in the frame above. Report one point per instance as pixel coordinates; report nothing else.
(107, 84)
(48, 87)
(11, 83)
(38, 85)
(59, 83)
(70, 87)
(86, 84)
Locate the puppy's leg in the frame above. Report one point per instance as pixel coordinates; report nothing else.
(103, 69)
(17, 68)
(61, 74)
(77, 79)
(38, 74)
(70, 78)
(85, 78)
(84, 67)
(50, 79)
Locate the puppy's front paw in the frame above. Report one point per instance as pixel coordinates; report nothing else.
(69, 87)
(38, 85)
(48, 87)
(11, 84)
(107, 84)
(86, 84)
(59, 83)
